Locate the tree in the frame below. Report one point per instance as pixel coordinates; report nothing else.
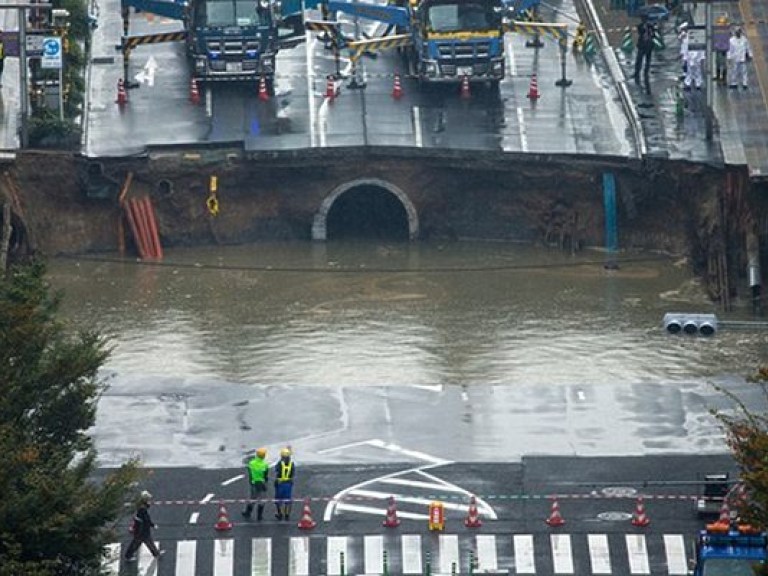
(746, 433)
(54, 514)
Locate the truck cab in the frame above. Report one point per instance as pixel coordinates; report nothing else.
(730, 551)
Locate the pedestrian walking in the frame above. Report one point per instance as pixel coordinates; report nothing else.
(284, 474)
(2, 57)
(142, 529)
(738, 56)
(645, 34)
(721, 40)
(258, 472)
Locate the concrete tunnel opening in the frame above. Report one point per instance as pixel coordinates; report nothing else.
(366, 209)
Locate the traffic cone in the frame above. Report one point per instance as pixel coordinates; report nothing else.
(465, 92)
(725, 515)
(122, 95)
(263, 92)
(391, 521)
(533, 89)
(555, 518)
(473, 516)
(194, 93)
(330, 88)
(223, 523)
(306, 522)
(397, 89)
(640, 518)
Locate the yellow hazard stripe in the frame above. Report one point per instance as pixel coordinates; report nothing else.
(462, 35)
(378, 44)
(557, 31)
(321, 26)
(154, 39)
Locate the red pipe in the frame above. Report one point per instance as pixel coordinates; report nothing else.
(134, 229)
(155, 236)
(141, 221)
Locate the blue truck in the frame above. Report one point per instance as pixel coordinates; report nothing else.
(730, 551)
(226, 40)
(442, 40)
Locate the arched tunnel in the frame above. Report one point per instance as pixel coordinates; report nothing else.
(368, 209)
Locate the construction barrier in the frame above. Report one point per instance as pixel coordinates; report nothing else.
(436, 516)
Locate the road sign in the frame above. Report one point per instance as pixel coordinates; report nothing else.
(34, 45)
(697, 37)
(51, 57)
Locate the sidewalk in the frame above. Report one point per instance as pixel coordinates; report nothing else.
(9, 93)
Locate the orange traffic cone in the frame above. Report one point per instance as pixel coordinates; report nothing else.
(263, 92)
(725, 515)
(397, 89)
(223, 522)
(555, 518)
(533, 89)
(391, 521)
(465, 93)
(122, 95)
(473, 516)
(194, 93)
(640, 518)
(306, 522)
(330, 88)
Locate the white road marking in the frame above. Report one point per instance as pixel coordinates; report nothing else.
(112, 559)
(511, 57)
(449, 553)
(524, 559)
(337, 545)
(674, 546)
(261, 557)
(147, 562)
(194, 517)
(523, 134)
(486, 552)
(374, 554)
(376, 495)
(298, 564)
(233, 480)
(223, 558)
(186, 552)
(411, 548)
(599, 556)
(209, 114)
(406, 452)
(378, 511)
(638, 554)
(208, 498)
(482, 506)
(562, 556)
(430, 387)
(426, 485)
(417, 127)
(580, 395)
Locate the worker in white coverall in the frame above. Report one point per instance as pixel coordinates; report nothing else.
(738, 56)
(693, 76)
(682, 38)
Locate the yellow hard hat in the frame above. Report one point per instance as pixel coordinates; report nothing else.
(285, 452)
(261, 452)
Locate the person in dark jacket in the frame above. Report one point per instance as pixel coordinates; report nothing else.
(142, 530)
(645, 34)
(284, 474)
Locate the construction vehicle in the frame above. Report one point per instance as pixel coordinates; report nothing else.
(226, 40)
(715, 491)
(440, 40)
(725, 550)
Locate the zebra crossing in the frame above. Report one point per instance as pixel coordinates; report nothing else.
(541, 554)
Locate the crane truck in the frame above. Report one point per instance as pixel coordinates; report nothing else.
(441, 40)
(226, 40)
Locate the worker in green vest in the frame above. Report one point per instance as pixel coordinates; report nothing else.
(2, 56)
(284, 473)
(258, 472)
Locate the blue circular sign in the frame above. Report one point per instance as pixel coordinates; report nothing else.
(51, 47)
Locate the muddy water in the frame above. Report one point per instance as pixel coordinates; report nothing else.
(394, 314)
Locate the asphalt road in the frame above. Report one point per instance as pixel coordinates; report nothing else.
(597, 498)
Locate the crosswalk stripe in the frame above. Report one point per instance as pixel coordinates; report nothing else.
(298, 562)
(486, 552)
(336, 546)
(186, 552)
(411, 548)
(449, 553)
(147, 563)
(638, 554)
(261, 557)
(599, 556)
(223, 558)
(524, 559)
(112, 559)
(674, 546)
(562, 557)
(374, 554)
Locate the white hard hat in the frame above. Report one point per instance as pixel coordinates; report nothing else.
(145, 495)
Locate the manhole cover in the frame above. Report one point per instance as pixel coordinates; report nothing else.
(619, 492)
(614, 516)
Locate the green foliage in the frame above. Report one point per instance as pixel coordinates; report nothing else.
(47, 130)
(747, 437)
(54, 517)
